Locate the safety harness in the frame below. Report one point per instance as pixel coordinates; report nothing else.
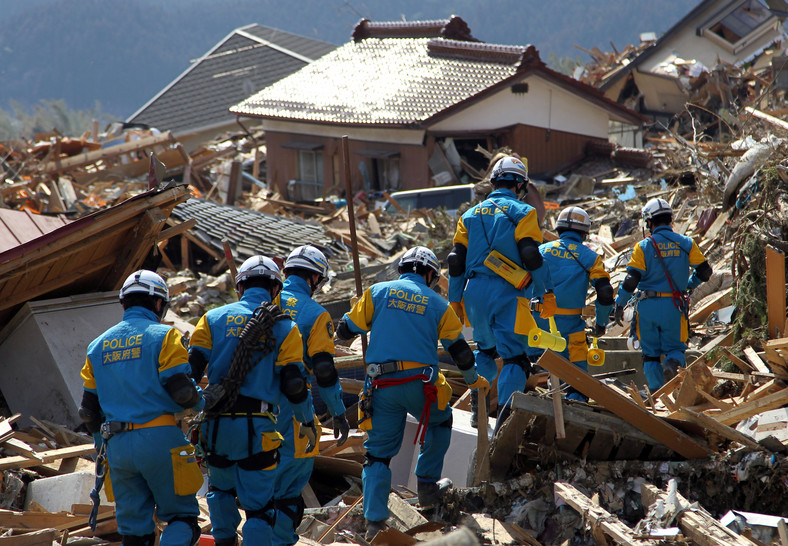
(430, 396)
(680, 300)
(256, 339)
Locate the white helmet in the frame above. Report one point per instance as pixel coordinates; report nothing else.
(420, 255)
(509, 168)
(574, 218)
(145, 282)
(309, 258)
(656, 207)
(259, 266)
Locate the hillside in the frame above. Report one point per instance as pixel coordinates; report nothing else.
(121, 52)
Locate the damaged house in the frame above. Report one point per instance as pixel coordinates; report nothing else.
(656, 80)
(194, 106)
(416, 99)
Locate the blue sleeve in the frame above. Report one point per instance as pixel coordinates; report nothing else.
(603, 313)
(456, 287)
(332, 396)
(542, 280)
(694, 281)
(305, 411)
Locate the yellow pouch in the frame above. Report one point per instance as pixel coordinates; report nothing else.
(186, 473)
(301, 443)
(523, 321)
(271, 441)
(108, 484)
(444, 391)
(364, 420)
(578, 350)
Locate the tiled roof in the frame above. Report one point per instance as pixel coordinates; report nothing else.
(385, 81)
(251, 232)
(17, 227)
(248, 60)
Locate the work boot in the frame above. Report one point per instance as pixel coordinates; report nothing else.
(373, 528)
(430, 493)
(475, 409)
(669, 369)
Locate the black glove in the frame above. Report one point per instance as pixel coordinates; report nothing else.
(310, 431)
(599, 330)
(618, 313)
(341, 428)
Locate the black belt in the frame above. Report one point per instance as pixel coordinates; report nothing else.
(247, 404)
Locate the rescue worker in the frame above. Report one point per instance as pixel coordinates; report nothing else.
(240, 439)
(306, 270)
(406, 319)
(573, 266)
(136, 377)
(659, 270)
(498, 311)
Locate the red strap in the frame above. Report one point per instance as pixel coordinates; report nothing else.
(430, 396)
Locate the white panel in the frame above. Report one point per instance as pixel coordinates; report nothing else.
(367, 134)
(544, 105)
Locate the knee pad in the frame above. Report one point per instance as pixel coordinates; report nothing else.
(293, 508)
(139, 540)
(491, 352)
(324, 370)
(228, 491)
(293, 384)
(182, 390)
(191, 521)
(522, 360)
(456, 260)
(371, 459)
(462, 355)
(267, 513)
(226, 541)
(530, 256)
(604, 291)
(651, 359)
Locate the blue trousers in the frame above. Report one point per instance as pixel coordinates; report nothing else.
(253, 488)
(662, 330)
(572, 329)
(141, 473)
(491, 306)
(390, 407)
(292, 475)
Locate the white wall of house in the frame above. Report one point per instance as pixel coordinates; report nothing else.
(706, 48)
(368, 134)
(545, 105)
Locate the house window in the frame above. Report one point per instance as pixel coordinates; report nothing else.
(310, 166)
(733, 29)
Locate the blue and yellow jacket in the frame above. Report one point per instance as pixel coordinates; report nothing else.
(572, 267)
(678, 252)
(216, 336)
(409, 318)
(497, 223)
(128, 365)
(317, 331)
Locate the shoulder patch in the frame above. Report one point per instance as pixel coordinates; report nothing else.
(330, 328)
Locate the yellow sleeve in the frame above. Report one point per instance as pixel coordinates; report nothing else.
(461, 235)
(597, 270)
(362, 312)
(696, 257)
(528, 227)
(88, 380)
(173, 353)
(321, 337)
(277, 300)
(638, 259)
(292, 349)
(450, 326)
(201, 337)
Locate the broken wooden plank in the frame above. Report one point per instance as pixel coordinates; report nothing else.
(598, 517)
(697, 525)
(753, 407)
(46, 457)
(622, 406)
(755, 360)
(775, 291)
(35, 538)
(558, 414)
(744, 366)
(722, 299)
(719, 429)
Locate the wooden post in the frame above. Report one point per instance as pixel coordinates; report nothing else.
(482, 471)
(353, 238)
(184, 252)
(234, 185)
(256, 164)
(775, 291)
(558, 413)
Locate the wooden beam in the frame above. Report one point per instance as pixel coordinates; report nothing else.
(177, 229)
(722, 299)
(754, 407)
(81, 160)
(697, 525)
(558, 414)
(741, 364)
(755, 360)
(719, 429)
(598, 517)
(184, 251)
(622, 406)
(139, 245)
(775, 291)
(46, 456)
